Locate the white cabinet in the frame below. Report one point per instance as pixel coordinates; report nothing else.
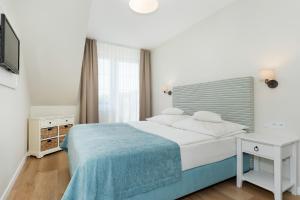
(276, 147)
(47, 133)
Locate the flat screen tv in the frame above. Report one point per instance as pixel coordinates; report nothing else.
(9, 47)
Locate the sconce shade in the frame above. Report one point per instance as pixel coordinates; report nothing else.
(167, 88)
(164, 88)
(267, 74)
(272, 83)
(168, 92)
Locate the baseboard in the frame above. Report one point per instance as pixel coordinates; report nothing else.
(13, 179)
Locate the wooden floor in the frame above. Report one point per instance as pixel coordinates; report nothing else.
(47, 178)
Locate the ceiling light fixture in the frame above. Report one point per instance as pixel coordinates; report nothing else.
(144, 6)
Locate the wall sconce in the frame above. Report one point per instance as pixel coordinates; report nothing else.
(167, 89)
(268, 75)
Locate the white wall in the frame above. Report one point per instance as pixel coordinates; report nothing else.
(54, 44)
(238, 41)
(14, 111)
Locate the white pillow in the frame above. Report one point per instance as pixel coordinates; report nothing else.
(172, 111)
(167, 119)
(226, 128)
(207, 116)
(221, 129)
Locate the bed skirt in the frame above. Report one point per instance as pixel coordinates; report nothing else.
(196, 179)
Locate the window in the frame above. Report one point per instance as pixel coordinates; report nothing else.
(118, 70)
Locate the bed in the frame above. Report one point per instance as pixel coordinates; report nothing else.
(145, 160)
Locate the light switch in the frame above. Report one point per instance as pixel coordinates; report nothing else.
(275, 125)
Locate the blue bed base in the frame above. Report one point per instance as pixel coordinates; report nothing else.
(196, 179)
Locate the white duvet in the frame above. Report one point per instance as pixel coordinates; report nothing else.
(196, 149)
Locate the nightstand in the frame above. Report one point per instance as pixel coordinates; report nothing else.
(276, 147)
(47, 133)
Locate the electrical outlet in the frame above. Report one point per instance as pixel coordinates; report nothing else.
(275, 125)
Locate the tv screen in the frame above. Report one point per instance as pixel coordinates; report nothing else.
(9, 47)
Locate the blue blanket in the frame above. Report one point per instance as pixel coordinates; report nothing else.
(117, 161)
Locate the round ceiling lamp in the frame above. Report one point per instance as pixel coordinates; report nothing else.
(144, 6)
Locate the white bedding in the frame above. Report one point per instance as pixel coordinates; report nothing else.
(195, 149)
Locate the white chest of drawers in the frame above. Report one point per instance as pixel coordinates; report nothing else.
(47, 133)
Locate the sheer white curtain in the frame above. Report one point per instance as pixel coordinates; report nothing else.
(118, 83)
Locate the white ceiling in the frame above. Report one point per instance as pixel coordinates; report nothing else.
(113, 21)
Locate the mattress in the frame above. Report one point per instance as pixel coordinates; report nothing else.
(195, 149)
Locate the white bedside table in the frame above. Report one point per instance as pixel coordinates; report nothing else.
(276, 147)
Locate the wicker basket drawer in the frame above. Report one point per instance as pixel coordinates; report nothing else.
(64, 129)
(49, 132)
(61, 139)
(49, 144)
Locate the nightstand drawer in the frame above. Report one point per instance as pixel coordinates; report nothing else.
(48, 123)
(49, 132)
(49, 144)
(258, 149)
(66, 121)
(64, 129)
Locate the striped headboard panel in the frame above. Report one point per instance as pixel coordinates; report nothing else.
(232, 98)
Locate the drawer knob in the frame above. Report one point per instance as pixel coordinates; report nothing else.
(49, 129)
(49, 140)
(66, 126)
(256, 148)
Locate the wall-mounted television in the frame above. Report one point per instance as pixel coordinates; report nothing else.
(9, 47)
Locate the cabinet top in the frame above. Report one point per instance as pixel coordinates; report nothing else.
(52, 117)
(275, 139)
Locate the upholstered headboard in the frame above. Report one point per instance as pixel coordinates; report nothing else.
(232, 98)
